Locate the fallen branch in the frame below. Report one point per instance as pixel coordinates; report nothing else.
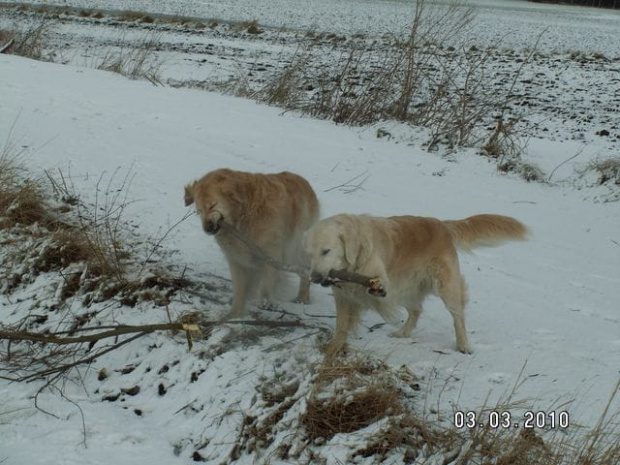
(5, 48)
(53, 365)
(125, 329)
(118, 331)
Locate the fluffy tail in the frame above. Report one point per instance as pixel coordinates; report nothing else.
(485, 231)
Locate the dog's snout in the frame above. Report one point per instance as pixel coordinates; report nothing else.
(212, 226)
(319, 278)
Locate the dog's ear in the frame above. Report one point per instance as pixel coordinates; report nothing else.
(189, 194)
(355, 246)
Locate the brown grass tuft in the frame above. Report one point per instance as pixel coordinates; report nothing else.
(527, 171)
(131, 15)
(135, 61)
(348, 396)
(251, 27)
(607, 169)
(22, 200)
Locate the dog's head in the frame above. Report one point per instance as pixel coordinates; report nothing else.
(336, 243)
(215, 197)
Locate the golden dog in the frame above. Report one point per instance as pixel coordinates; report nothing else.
(413, 257)
(273, 210)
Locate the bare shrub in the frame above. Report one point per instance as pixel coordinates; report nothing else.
(100, 235)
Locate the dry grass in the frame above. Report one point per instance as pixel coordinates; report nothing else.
(29, 38)
(351, 394)
(136, 60)
(251, 27)
(131, 15)
(22, 199)
(100, 229)
(607, 170)
(416, 81)
(348, 396)
(47, 228)
(527, 171)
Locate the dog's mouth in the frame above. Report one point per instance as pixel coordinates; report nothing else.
(318, 278)
(212, 227)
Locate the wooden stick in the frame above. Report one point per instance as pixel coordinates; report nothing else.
(5, 48)
(373, 285)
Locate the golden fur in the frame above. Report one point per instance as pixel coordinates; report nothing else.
(273, 210)
(413, 257)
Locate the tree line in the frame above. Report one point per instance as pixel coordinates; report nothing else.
(594, 3)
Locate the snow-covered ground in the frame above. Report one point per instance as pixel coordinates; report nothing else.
(568, 28)
(543, 313)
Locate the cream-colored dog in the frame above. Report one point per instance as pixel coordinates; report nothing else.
(412, 256)
(273, 210)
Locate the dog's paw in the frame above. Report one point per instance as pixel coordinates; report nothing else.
(234, 314)
(266, 304)
(301, 300)
(465, 350)
(400, 333)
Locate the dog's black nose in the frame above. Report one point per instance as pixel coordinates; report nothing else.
(211, 227)
(316, 278)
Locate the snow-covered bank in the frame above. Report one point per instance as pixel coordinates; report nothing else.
(549, 304)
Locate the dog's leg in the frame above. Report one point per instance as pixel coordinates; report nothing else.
(414, 310)
(303, 296)
(451, 288)
(244, 281)
(347, 318)
(268, 281)
(294, 253)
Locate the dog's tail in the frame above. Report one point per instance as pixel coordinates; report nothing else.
(189, 194)
(485, 231)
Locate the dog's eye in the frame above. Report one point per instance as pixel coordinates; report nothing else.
(325, 251)
(212, 206)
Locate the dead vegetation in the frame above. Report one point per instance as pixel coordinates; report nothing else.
(251, 27)
(46, 227)
(135, 60)
(607, 170)
(29, 38)
(420, 80)
(527, 171)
